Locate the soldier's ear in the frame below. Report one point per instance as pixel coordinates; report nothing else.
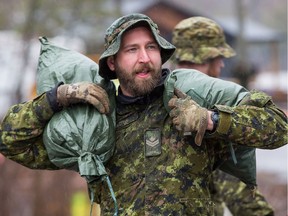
(111, 63)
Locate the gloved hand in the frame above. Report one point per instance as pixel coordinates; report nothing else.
(188, 116)
(83, 92)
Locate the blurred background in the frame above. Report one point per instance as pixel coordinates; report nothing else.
(256, 29)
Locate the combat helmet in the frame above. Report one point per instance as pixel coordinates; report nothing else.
(113, 40)
(199, 39)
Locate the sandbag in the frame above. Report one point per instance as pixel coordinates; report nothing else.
(208, 92)
(203, 89)
(79, 138)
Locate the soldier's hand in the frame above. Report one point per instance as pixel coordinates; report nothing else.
(83, 92)
(188, 116)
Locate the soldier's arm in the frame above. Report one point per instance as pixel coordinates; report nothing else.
(237, 196)
(255, 122)
(21, 133)
(22, 128)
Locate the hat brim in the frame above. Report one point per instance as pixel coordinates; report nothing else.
(202, 54)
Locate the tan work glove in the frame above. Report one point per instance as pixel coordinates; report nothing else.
(83, 92)
(188, 116)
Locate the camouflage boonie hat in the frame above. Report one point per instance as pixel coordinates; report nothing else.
(113, 40)
(199, 39)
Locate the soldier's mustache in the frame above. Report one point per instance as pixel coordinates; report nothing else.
(146, 67)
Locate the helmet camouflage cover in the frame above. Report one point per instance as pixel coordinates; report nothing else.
(199, 39)
(113, 40)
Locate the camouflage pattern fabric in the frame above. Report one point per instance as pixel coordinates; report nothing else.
(21, 133)
(258, 113)
(176, 182)
(199, 39)
(113, 39)
(237, 197)
(172, 183)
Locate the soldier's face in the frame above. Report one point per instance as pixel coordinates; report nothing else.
(137, 63)
(215, 67)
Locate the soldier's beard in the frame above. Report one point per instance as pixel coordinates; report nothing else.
(138, 86)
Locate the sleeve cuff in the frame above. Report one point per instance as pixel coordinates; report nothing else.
(225, 119)
(52, 98)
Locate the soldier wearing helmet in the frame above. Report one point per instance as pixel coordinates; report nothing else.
(155, 168)
(201, 45)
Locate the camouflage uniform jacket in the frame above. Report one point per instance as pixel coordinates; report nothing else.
(174, 181)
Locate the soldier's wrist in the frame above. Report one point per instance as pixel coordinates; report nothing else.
(215, 119)
(53, 100)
